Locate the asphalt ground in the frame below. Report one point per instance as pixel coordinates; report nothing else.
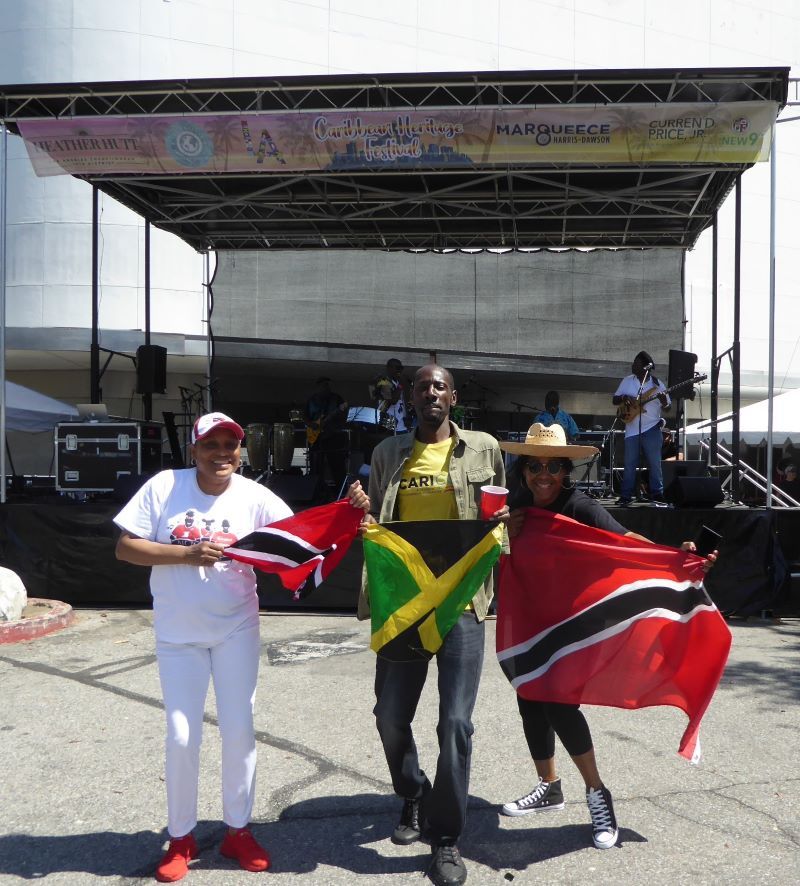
(82, 796)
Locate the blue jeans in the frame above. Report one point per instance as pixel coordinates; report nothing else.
(651, 442)
(398, 686)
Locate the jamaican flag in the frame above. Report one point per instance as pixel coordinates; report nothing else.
(422, 575)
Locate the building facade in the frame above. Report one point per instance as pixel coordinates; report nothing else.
(49, 220)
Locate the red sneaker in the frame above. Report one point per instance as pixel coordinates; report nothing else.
(242, 846)
(175, 863)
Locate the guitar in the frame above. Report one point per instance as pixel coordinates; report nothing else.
(629, 410)
(315, 428)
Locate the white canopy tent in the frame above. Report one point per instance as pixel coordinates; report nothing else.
(754, 423)
(28, 410)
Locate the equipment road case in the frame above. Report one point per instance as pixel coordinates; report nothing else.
(93, 456)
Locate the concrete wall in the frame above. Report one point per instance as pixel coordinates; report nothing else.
(74, 40)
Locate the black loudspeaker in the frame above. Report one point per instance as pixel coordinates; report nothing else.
(681, 368)
(680, 468)
(151, 369)
(294, 487)
(694, 492)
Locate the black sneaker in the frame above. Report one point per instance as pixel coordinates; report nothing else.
(408, 829)
(623, 502)
(447, 867)
(544, 797)
(604, 822)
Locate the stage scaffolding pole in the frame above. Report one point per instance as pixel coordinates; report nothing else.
(3, 206)
(737, 312)
(207, 290)
(94, 355)
(147, 399)
(713, 459)
(773, 175)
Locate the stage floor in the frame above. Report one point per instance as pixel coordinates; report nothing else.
(64, 550)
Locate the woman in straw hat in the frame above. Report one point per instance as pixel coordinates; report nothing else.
(541, 478)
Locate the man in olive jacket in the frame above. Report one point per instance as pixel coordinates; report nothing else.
(433, 473)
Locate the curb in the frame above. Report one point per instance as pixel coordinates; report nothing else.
(54, 616)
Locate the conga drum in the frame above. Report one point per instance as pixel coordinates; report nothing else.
(256, 437)
(282, 446)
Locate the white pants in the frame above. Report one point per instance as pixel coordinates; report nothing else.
(184, 670)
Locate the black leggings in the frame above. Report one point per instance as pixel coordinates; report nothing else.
(543, 720)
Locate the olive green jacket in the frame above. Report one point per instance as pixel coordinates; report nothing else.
(476, 461)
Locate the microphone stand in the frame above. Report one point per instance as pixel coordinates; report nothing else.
(535, 410)
(520, 406)
(585, 481)
(481, 399)
(637, 485)
(608, 440)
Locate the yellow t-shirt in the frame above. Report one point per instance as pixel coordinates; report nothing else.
(426, 492)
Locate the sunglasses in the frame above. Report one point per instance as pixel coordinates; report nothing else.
(552, 467)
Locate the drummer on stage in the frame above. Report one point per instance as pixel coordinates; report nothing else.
(325, 417)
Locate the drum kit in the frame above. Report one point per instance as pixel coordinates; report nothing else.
(467, 417)
(366, 427)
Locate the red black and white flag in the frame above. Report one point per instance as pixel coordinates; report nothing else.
(302, 550)
(587, 616)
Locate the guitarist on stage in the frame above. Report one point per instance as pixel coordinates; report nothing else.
(326, 417)
(640, 398)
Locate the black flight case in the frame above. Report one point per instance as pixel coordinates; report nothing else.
(95, 456)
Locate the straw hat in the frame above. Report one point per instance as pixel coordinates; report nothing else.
(548, 443)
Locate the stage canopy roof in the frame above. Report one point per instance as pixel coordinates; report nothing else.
(438, 161)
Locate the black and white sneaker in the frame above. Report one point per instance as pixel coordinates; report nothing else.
(544, 797)
(604, 822)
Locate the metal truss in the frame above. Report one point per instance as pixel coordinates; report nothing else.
(586, 205)
(376, 91)
(516, 208)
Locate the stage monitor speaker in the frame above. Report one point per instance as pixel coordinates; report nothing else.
(694, 492)
(294, 487)
(682, 368)
(151, 369)
(680, 468)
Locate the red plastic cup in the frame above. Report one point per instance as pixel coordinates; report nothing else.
(492, 499)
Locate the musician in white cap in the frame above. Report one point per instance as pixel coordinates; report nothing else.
(640, 398)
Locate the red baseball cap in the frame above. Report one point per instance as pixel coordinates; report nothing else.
(213, 422)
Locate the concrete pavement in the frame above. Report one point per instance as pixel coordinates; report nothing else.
(82, 794)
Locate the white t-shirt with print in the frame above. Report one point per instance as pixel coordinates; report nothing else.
(651, 412)
(200, 604)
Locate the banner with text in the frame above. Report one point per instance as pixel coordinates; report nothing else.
(733, 132)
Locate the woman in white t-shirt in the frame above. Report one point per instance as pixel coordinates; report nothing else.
(205, 615)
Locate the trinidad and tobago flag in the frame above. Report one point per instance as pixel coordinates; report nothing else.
(304, 549)
(422, 574)
(587, 616)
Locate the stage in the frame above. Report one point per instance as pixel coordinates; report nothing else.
(64, 550)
